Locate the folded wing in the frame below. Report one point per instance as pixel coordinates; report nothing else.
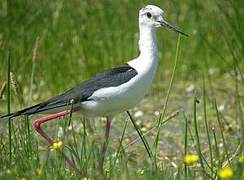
(110, 78)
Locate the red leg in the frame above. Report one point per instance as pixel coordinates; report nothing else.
(105, 144)
(37, 125)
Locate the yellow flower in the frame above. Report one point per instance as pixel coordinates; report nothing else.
(225, 172)
(190, 158)
(241, 158)
(56, 145)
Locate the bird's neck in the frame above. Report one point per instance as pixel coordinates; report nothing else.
(147, 61)
(148, 58)
(147, 42)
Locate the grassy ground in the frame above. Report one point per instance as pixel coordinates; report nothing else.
(54, 45)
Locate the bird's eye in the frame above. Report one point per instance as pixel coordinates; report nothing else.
(149, 15)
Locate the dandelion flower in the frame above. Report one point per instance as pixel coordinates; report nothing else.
(190, 158)
(56, 145)
(225, 172)
(241, 158)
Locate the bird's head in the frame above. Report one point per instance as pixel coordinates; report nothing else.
(152, 16)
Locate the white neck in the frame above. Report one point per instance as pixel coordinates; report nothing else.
(147, 42)
(146, 63)
(148, 58)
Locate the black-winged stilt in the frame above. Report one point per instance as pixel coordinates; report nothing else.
(113, 91)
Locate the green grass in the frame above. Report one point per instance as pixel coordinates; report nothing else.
(47, 47)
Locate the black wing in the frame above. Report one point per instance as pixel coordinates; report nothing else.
(110, 78)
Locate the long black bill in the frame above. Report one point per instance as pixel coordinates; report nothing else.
(167, 25)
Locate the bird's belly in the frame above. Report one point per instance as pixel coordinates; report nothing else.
(113, 100)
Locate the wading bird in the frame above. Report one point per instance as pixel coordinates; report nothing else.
(110, 92)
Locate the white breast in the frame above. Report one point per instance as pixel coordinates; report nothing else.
(113, 100)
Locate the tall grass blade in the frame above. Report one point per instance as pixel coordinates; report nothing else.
(221, 132)
(145, 143)
(2, 89)
(185, 144)
(33, 70)
(8, 107)
(118, 149)
(197, 135)
(167, 96)
(169, 117)
(206, 123)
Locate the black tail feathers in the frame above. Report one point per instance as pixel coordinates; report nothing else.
(26, 111)
(8, 116)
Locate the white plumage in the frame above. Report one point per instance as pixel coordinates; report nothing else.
(112, 100)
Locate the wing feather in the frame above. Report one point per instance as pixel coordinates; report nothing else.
(110, 78)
